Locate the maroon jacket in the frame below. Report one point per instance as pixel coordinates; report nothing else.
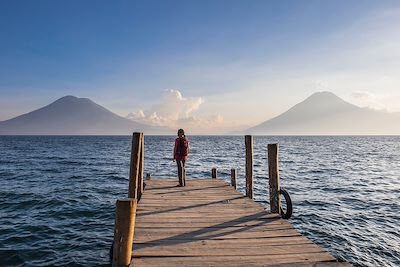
(181, 149)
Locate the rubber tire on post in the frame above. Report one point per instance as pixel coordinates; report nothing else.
(289, 207)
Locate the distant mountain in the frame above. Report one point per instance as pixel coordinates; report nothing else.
(70, 115)
(324, 113)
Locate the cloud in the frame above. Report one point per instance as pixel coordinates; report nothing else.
(139, 115)
(173, 110)
(375, 101)
(171, 107)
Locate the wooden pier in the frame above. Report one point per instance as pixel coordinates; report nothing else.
(206, 223)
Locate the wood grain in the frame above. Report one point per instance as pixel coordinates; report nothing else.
(249, 165)
(134, 171)
(233, 178)
(124, 231)
(274, 182)
(208, 223)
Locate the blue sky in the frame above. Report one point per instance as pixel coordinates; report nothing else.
(209, 57)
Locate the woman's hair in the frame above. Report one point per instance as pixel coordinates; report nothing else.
(181, 131)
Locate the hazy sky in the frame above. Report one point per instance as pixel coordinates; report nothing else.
(210, 65)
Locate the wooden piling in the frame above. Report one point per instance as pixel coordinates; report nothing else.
(274, 183)
(135, 166)
(233, 178)
(214, 173)
(249, 165)
(141, 167)
(123, 232)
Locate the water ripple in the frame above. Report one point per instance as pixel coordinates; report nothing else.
(58, 193)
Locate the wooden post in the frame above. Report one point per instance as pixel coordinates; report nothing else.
(214, 173)
(274, 183)
(123, 232)
(134, 167)
(233, 177)
(249, 165)
(141, 167)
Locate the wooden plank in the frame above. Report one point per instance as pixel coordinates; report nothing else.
(197, 201)
(214, 220)
(197, 213)
(190, 202)
(144, 236)
(192, 191)
(201, 250)
(205, 223)
(254, 260)
(204, 207)
(231, 242)
(211, 230)
(170, 183)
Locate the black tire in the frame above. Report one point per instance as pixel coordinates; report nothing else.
(289, 207)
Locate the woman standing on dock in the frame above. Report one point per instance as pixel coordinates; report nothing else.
(181, 152)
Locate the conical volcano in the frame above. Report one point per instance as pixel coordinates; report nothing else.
(71, 115)
(324, 113)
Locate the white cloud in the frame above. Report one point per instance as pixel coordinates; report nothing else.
(174, 106)
(385, 102)
(139, 115)
(175, 111)
(367, 99)
(171, 107)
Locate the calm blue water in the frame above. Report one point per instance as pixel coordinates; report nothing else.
(57, 194)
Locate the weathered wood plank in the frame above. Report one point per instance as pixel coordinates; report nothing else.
(201, 250)
(254, 260)
(213, 220)
(210, 230)
(189, 224)
(231, 242)
(143, 236)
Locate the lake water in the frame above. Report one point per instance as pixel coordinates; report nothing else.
(57, 194)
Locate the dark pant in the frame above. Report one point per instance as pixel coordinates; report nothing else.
(181, 172)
